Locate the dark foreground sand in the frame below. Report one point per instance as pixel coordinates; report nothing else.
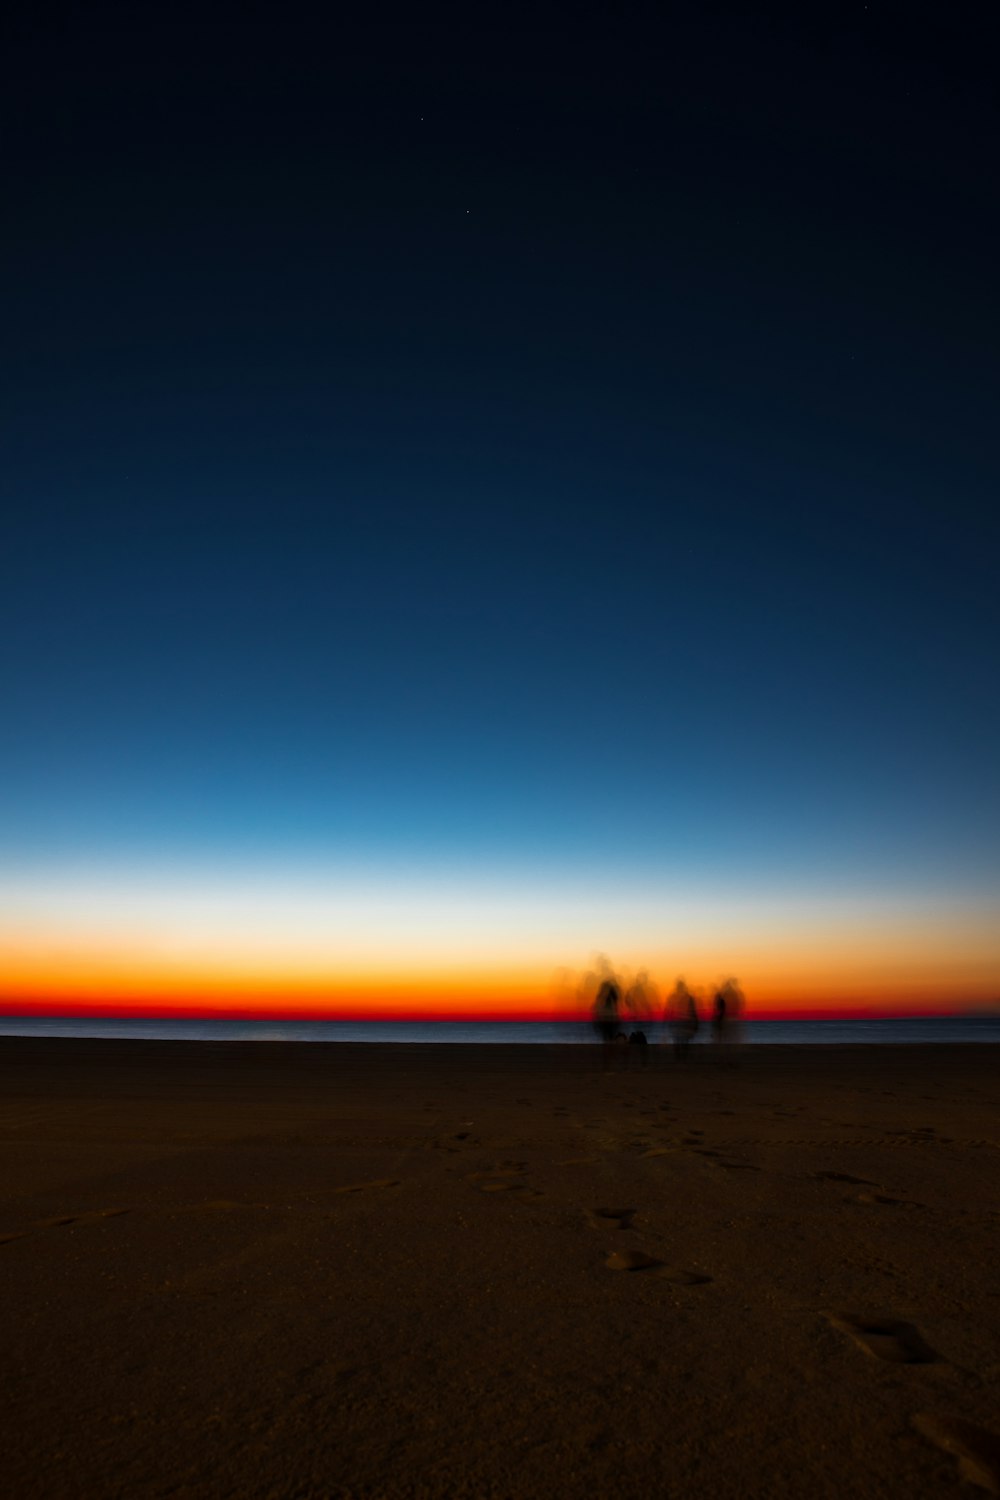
(302, 1271)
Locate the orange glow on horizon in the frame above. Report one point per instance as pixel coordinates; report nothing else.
(189, 1010)
(452, 997)
(214, 953)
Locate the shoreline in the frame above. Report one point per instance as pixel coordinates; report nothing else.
(705, 1052)
(702, 1053)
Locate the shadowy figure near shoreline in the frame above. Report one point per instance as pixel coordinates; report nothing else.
(682, 1020)
(719, 1018)
(606, 1017)
(727, 1018)
(626, 1011)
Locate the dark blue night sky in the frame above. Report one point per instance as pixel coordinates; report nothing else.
(504, 442)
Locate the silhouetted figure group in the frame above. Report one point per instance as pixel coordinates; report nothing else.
(637, 1004)
(607, 1018)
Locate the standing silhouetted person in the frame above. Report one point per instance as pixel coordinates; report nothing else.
(727, 1017)
(606, 1017)
(682, 1019)
(719, 1018)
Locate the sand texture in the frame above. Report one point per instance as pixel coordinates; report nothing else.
(282, 1270)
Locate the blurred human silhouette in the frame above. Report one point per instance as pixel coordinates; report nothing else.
(727, 1017)
(719, 1010)
(682, 1019)
(735, 1011)
(606, 1016)
(640, 999)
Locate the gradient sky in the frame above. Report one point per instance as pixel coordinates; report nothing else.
(485, 491)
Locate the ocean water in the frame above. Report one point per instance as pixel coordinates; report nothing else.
(936, 1029)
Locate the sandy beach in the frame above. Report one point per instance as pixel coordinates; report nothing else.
(285, 1270)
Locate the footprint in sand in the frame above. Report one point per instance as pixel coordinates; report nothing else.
(632, 1260)
(887, 1338)
(845, 1177)
(454, 1143)
(977, 1450)
(363, 1187)
(622, 1217)
(91, 1216)
(739, 1166)
(503, 1179)
(222, 1206)
(886, 1200)
(638, 1260)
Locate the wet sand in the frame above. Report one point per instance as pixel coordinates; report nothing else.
(282, 1270)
